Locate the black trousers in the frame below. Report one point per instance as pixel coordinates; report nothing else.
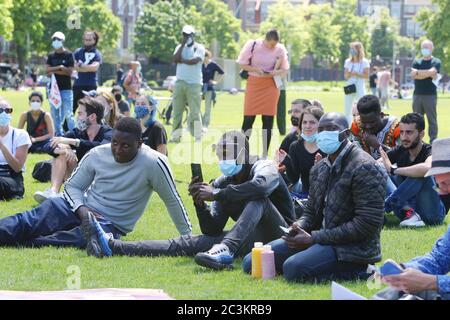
(259, 221)
(11, 185)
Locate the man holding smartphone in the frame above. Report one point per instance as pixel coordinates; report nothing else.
(250, 191)
(188, 56)
(338, 234)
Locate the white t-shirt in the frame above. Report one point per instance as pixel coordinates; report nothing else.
(20, 138)
(359, 68)
(191, 74)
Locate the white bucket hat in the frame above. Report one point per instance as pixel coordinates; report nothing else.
(441, 157)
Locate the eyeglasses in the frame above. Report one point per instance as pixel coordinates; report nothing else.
(6, 110)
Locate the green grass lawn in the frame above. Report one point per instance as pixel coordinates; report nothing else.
(181, 278)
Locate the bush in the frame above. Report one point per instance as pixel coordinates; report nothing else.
(152, 83)
(108, 83)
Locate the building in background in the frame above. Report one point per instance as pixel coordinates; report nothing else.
(128, 11)
(403, 11)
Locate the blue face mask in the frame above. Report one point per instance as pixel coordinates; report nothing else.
(328, 141)
(426, 52)
(311, 138)
(230, 167)
(57, 44)
(353, 52)
(5, 119)
(140, 111)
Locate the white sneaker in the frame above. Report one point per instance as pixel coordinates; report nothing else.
(204, 130)
(40, 196)
(413, 221)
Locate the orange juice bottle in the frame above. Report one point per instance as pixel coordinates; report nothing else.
(256, 260)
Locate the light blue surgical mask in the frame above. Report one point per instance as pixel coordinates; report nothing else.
(426, 52)
(328, 141)
(5, 119)
(230, 167)
(57, 44)
(353, 52)
(312, 138)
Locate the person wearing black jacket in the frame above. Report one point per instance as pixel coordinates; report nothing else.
(250, 191)
(338, 234)
(71, 148)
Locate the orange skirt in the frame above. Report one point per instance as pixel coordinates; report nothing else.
(261, 97)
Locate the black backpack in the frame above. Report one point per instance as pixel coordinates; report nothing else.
(43, 171)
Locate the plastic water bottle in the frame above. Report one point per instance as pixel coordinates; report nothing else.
(256, 260)
(268, 264)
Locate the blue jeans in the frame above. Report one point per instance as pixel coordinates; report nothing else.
(63, 113)
(51, 223)
(317, 263)
(418, 194)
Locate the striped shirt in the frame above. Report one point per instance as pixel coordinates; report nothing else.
(121, 191)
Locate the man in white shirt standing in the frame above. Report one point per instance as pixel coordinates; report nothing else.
(189, 57)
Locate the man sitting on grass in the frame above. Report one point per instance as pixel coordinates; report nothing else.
(251, 192)
(373, 129)
(426, 276)
(414, 200)
(338, 234)
(70, 148)
(113, 182)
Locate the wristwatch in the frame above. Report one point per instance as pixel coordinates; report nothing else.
(393, 170)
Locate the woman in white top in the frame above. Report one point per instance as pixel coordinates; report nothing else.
(356, 71)
(14, 144)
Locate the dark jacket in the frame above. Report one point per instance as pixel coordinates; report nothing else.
(263, 181)
(103, 136)
(346, 205)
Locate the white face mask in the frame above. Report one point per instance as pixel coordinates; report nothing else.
(35, 105)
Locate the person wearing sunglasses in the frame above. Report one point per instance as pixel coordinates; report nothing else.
(14, 144)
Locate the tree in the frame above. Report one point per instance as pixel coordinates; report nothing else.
(324, 41)
(289, 21)
(31, 18)
(385, 32)
(218, 23)
(28, 17)
(352, 27)
(158, 30)
(437, 26)
(7, 24)
(92, 14)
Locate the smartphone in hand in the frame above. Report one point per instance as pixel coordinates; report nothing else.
(390, 267)
(288, 231)
(196, 170)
